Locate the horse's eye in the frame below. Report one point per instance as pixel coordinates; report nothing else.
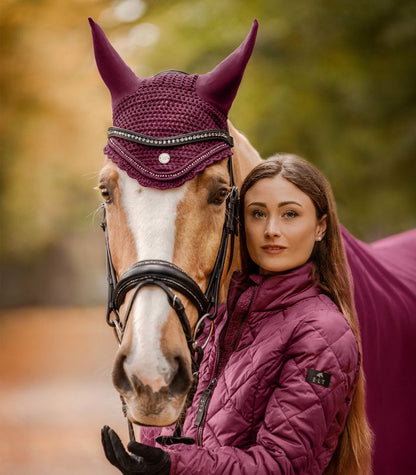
(105, 194)
(219, 197)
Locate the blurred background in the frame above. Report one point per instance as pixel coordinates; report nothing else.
(331, 81)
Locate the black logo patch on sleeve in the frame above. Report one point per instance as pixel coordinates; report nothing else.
(318, 377)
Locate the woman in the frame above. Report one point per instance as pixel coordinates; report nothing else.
(281, 387)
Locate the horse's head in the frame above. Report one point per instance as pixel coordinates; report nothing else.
(165, 203)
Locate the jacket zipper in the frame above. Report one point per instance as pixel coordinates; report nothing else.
(206, 395)
(202, 407)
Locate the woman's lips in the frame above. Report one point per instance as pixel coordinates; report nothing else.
(270, 249)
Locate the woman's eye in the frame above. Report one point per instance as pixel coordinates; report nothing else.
(290, 214)
(258, 213)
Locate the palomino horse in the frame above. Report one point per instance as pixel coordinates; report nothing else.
(183, 225)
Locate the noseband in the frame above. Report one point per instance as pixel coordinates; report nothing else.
(168, 277)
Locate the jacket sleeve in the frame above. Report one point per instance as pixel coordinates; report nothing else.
(304, 416)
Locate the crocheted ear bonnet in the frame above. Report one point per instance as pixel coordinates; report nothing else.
(169, 127)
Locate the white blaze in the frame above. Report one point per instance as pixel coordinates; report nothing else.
(151, 216)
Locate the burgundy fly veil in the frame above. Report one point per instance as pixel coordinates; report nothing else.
(169, 127)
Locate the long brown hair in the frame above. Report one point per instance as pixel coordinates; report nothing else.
(353, 452)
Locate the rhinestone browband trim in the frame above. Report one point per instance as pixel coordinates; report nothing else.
(202, 136)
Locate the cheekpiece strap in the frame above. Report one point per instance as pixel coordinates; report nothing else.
(194, 137)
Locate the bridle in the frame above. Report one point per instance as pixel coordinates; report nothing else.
(169, 277)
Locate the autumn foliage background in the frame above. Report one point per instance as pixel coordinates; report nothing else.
(331, 81)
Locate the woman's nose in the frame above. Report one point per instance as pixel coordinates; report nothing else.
(272, 228)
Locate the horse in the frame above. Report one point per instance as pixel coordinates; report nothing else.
(163, 246)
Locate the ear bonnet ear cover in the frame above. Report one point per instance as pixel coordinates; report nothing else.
(169, 104)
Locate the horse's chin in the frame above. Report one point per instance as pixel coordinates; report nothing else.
(149, 413)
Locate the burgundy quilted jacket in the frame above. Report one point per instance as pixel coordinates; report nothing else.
(275, 383)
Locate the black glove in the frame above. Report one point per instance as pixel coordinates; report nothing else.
(142, 459)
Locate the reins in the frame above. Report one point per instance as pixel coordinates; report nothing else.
(168, 277)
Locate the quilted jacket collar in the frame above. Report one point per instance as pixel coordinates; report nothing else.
(275, 292)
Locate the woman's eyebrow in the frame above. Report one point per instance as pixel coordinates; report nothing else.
(285, 203)
(280, 205)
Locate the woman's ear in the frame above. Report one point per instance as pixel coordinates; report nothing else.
(321, 228)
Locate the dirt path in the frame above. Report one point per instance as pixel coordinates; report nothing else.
(56, 391)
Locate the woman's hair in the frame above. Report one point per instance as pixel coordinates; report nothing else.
(331, 272)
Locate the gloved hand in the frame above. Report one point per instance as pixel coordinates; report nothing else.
(142, 459)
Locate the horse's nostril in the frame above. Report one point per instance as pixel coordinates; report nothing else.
(138, 385)
(120, 378)
(182, 380)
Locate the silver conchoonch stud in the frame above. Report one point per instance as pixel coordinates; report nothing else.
(164, 158)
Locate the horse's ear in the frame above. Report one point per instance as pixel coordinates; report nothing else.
(118, 77)
(219, 86)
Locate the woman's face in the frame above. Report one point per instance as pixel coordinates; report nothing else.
(281, 225)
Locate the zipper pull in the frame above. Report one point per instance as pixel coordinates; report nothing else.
(203, 403)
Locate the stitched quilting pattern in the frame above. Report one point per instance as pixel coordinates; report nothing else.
(262, 404)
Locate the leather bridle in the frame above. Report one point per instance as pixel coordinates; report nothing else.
(168, 277)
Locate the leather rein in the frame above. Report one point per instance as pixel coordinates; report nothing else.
(171, 278)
